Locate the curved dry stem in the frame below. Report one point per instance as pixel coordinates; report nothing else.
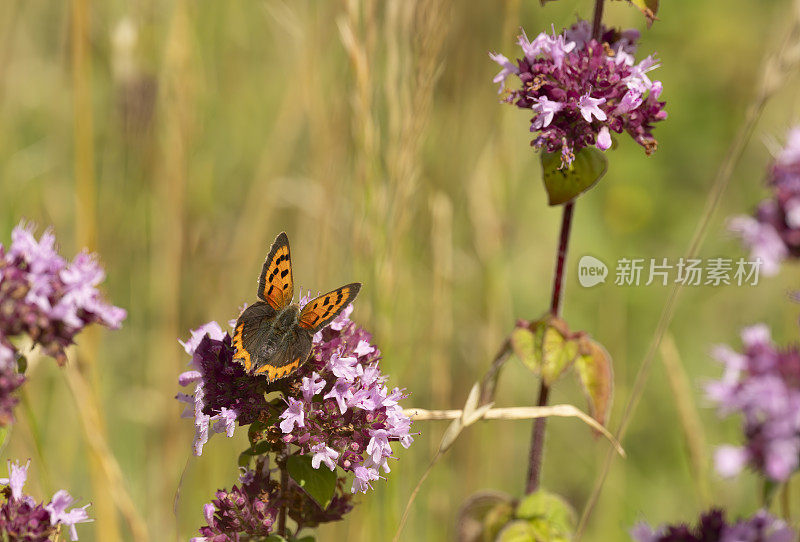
(521, 413)
(177, 498)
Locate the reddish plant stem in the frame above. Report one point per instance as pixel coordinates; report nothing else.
(598, 19)
(539, 425)
(561, 258)
(537, 443)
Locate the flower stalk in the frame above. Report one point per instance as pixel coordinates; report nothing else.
(539, 426)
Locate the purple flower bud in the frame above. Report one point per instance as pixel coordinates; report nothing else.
(243, 513)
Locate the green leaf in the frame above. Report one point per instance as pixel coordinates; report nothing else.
(545, 532)
(22, 364)
(259, 448)
(565, 184)
(308, 538)
(496, 518)
(275, 538)
(768, 491)
(595, 374)
(523, 341)
(546, 347)
(649, 8)
(4, 432)
(549, 514)
(557, 352)
(517, 531)
(320, 484)
(483, 515)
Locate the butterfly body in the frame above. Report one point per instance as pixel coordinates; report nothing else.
(273, 337)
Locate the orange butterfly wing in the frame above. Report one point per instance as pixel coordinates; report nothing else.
(275, 285)
(320, 311)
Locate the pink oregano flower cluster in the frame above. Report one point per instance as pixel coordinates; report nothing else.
(46, 299)
(773, 233)
(762, 383)
(22, 518)
(337, 407)
(581, 89)
(343, 386)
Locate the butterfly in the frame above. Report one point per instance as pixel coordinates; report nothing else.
(273, 337)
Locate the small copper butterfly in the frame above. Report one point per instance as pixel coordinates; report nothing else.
(273, 337)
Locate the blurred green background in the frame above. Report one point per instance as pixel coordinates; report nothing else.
(178, 138)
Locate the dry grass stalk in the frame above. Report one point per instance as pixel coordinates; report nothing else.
(519, 413)
(177, 104)
(86, 226)
(691, 425)
(441, 297)
(90, 418)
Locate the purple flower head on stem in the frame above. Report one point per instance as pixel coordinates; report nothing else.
(772, 234)
(336, 408)
(224, 393)
(245, 512)
(47, 298)
(713, 527)
(25, 519)
(10, 381)
(343, 413)
(250, 510)
(762, 384)
(581, 89)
